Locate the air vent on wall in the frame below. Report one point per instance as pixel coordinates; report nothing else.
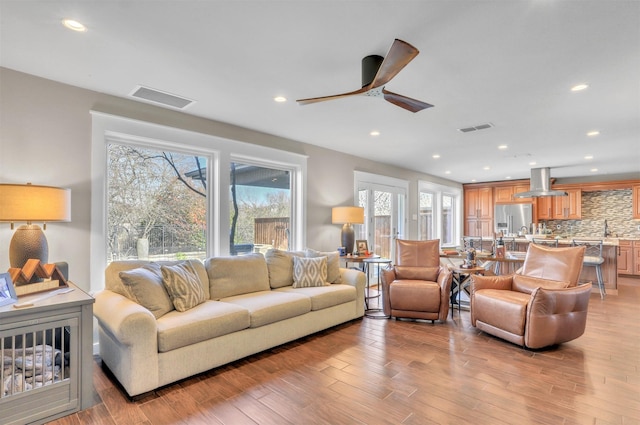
(161, 98)
(475, 128)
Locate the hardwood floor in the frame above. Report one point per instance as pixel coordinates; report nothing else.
(374, 371)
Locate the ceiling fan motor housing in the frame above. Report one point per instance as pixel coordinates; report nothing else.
(370, 66)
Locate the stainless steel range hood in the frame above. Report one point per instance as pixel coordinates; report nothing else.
(540, 185)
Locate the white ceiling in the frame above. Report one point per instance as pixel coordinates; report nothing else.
(508, 63)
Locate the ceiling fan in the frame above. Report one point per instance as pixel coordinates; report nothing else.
(378, 71)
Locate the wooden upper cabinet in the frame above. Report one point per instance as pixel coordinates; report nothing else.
(636, 201)
(560, 207)
(505, 194)
(479, 202)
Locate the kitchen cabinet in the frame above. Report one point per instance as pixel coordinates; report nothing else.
(625, 257)
(478, 220)
(636, 202)
(629, 257)
(505, 194)
(561, 207)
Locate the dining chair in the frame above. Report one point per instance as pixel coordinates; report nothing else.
(593, 258)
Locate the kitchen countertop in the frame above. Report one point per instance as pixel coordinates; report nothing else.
(567, 241)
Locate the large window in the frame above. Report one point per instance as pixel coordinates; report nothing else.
(156, 204)
(260, 213)
(439, 213)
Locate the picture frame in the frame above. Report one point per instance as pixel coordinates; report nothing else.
(7, 291)
(362, 246)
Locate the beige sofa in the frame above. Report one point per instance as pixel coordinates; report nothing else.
(250, 305)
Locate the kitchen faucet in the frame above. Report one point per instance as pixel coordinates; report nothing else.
(607, 233)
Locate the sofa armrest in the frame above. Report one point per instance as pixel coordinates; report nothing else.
(555, 316)
(388, 276)
(127, 321)
(357, 279)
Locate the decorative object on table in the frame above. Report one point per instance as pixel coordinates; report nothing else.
(470, 259)
(37, 277)
(7, 291)
(362, 247)
(347, 216)
(32, 203)
(500, 248)
(342, 251)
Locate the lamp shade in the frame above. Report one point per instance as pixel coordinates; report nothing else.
(344, 215)
(29, 202)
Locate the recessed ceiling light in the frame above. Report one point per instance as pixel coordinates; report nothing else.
(579, 87)
(593, 170)
(74, 25)
(508, 177)
(473, 180)
(532, 163)
(486, 168)
(280, 99)
(593, 133)
(435, 156)
(502, 147)
(447, 172)
(374, 133)
(588, 157)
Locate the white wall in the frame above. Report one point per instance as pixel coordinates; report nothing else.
(45, 138)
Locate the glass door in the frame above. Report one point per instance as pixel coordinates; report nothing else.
(384, 217)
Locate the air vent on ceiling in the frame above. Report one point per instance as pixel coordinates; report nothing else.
(475, 128)
(161, 98)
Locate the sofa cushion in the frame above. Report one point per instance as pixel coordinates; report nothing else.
(528, 284)
(417, 273)
(271, 306)
(502, 309)
(230, 276)
(280, 266)
(204, 321)
(144, 286)
(333, 263)
(183, 286)
(309, 272)
(325, 296)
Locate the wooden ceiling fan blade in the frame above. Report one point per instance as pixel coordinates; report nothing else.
(405, 102)
(335, 96)
(399, 55)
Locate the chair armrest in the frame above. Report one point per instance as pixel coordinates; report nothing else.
(555, 316)
(127, 321)
(479, 282)
(445, 277)
(388, 276)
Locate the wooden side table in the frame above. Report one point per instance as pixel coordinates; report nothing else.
(461, 279)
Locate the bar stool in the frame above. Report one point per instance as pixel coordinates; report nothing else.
(593, 258)
(547, 242)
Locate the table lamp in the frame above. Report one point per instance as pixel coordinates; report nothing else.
(347, 216)
(29, 203)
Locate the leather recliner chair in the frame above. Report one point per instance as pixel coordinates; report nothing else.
(416, 287)
(538, 306)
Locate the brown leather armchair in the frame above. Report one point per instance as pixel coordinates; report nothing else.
(416, 287)
(539, 305)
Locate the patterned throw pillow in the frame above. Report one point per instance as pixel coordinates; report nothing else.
(333, 263)
(183, 286)
(309, 272)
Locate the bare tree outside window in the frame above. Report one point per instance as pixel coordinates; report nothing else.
(156, 204)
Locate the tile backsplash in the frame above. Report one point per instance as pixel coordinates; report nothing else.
(615, 206)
